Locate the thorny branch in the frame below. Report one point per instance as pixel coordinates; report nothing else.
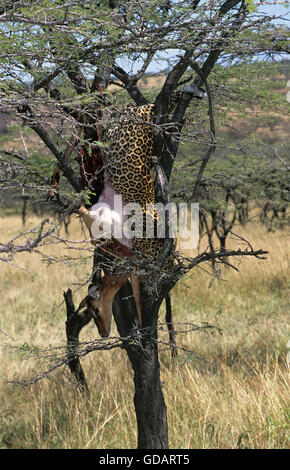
(59, 356)
(33, 239)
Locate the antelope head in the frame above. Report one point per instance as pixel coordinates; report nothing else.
(100, 299)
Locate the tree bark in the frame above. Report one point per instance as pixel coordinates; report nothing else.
(143, 354)
(74, 324)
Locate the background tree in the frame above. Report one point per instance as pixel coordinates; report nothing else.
(56, 59)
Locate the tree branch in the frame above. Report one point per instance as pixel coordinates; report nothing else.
(130, 84)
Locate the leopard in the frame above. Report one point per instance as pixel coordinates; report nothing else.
(129, 155)
(129, 162)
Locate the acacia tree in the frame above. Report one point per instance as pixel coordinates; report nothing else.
(56, 59)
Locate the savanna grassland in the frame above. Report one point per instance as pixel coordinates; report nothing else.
(240, 400)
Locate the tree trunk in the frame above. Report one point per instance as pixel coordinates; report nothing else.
(148, 400)
(143, 354)
(74, 324)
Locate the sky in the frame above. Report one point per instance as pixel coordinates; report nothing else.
(278, 10)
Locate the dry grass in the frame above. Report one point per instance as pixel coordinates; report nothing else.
(241, 401)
